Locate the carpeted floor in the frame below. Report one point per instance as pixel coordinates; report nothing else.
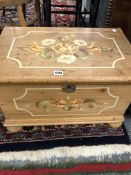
(68, 160)
(34, 138)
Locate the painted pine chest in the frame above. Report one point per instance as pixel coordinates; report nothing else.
(54, 76)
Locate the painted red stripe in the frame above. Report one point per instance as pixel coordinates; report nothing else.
(79, 168)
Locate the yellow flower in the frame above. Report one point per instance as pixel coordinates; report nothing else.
(59, 48)
(65, 48)
(71, 48)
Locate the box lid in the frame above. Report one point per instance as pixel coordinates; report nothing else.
(50, 55)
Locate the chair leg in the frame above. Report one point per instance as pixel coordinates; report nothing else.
(44, 13)
(78, 9)
(38, 11)
(24, 10)
(48, 12)
(94, 11)
(0, 30)
(4, 11)
(21, 16)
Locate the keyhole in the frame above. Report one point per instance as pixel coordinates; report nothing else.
(69, 87)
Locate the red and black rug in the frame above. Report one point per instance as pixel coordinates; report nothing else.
(34, 138)
(104, 159)
(83, 169)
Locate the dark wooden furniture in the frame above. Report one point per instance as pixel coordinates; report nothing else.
(77, 11)
(121, 16)
(47, 11)
(115, 13)
(93, 12)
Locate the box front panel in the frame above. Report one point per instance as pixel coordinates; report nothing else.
(63, 104)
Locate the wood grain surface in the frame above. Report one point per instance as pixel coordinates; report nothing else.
(74, 72)
(19, 104)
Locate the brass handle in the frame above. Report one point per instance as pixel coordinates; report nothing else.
(90, 102)
(69, 88)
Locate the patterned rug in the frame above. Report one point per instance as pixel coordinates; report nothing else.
(104, 159)
(34, 138)
(63, 19)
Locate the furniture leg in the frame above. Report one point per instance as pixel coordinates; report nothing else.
(78, 9)
(24, 10)
(4, 11)
(21, 16)
(48, 13)
(115, 125)
(38, 11)
(93, 11)
(14, 128)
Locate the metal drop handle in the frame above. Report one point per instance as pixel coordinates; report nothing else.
(69, 88)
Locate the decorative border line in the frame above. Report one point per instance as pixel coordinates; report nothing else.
(41, 67)
(98, 113)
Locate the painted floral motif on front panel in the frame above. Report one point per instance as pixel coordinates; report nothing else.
(65, 104)
(53, 101)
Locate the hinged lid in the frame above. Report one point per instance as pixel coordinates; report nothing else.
(49, 55)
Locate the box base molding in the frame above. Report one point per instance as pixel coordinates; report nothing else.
(16, 125)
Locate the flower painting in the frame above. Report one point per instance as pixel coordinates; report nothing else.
(66, 104)
(67, 59)
(65, 49)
